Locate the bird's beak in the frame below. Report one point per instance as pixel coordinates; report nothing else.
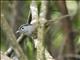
(17, 32)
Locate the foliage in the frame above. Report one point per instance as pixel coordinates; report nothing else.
(54, 32)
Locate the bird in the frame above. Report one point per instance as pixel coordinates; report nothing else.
(26, 29)
(29, 27)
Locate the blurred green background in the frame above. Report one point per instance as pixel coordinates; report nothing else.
(16, 13)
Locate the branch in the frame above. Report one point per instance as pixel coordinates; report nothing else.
(8, 52)
(4, 57)
(67, 27)
(34, 12)
(40, 46)
(12, 39)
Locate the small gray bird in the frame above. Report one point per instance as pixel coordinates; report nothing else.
(26, 29)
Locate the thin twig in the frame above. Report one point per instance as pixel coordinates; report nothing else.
(72, 55)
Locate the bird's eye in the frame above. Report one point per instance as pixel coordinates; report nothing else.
(22, 28)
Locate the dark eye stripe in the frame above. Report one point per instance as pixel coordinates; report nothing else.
(24, 25)
(20, 27)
